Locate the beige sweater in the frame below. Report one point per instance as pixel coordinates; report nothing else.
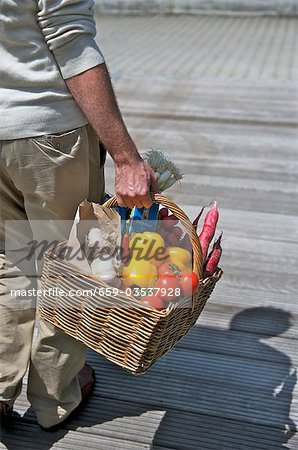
(43, 42)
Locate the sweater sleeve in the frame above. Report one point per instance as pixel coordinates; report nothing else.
(69, 30)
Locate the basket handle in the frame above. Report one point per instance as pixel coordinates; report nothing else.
(189, 228)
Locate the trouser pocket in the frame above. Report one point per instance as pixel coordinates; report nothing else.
(60, 142)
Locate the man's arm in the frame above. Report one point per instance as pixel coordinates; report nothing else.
(94, 94)
(68, 27)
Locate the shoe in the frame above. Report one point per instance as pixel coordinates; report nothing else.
(5, 414)
(87, 382)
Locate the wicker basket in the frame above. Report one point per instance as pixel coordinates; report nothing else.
(131, 336)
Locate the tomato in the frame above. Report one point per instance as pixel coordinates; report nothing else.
(169, 286)
(153, 301)
(168, 269)
(189, 282)
(141, 273)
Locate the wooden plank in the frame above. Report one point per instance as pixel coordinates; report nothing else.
(197, 366)
(205, 148)
(256, 224)
(27, 436)
(234, 48)
(260, 225)
(255, 252)
(232, 198)
(197, 431)
(177, 429)
(244, 167)
(234, 144)
(244, 345)
(235, 317)
(108, 418)
(240, 102)
(228, 405)
(228, 198)
(244, 298)
(219, 147)
(249, 184)
(265, 282)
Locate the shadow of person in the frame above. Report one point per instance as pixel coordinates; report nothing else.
(279, 384)
(216, 389)
(236, 388)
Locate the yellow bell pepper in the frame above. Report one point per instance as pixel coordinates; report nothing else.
(181, 257)
(148, 246)
(141, 273)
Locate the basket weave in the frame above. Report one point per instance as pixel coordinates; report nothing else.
(131, 336)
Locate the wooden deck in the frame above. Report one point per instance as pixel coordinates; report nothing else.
(230, 384)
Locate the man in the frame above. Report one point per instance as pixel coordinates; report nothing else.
(56, 102)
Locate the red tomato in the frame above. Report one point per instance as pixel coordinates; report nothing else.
(169, 286)
(153, 301)
(168, 269)
(189, 282)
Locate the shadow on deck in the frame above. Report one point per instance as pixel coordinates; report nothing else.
(215, 390)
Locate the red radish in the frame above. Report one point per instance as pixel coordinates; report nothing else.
(213, 258)
(196, 221)
(208, 230)
(164, 212)
(170, 221)
(177, 231)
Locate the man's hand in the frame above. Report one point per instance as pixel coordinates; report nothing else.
(134, 182)
(135, 179)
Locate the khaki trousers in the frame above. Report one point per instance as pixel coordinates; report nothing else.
(43, 178)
